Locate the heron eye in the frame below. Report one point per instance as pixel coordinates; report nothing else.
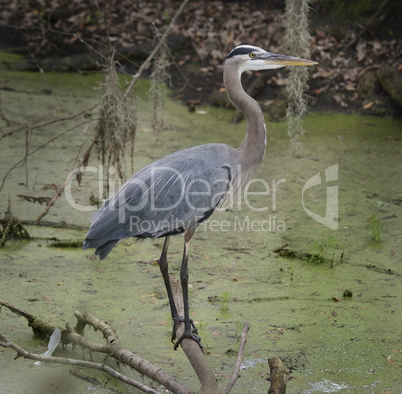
(252, 54)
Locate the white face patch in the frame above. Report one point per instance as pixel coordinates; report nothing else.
(257, 64)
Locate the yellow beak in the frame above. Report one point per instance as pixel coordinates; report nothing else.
(283, 60)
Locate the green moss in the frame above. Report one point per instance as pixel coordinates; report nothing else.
(7, 58)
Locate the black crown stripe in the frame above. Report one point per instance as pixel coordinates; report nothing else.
(241, 51)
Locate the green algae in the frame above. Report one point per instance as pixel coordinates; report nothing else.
(296, 308)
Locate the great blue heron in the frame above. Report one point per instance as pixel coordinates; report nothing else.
(176, 193)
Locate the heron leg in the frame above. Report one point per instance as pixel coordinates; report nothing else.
(164, 267)
(190, 330)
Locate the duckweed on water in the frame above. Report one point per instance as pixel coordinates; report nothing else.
(351, 345)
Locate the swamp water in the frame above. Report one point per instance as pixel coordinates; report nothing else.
(328, 304)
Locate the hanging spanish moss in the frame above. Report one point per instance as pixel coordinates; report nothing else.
(159, 80)
(116, 126)
(298, 40)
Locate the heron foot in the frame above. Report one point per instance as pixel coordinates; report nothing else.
(176, 322)
(190, 333)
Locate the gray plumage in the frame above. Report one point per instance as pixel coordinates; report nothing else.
(141, 206)
(176, 193)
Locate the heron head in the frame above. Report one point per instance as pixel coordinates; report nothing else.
(251, 58)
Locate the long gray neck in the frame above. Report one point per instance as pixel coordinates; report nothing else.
(252, 150)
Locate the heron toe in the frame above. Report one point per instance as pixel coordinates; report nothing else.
(190, 331)
(190, 335)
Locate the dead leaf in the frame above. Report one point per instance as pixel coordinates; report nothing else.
(339, 100)
(152, 261)
(278, 80)
(350, 87)
(320, 33)
(368, 105)
(274, 338)
(360, 48)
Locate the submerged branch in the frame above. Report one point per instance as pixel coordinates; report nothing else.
(40, 328)
(279, 376)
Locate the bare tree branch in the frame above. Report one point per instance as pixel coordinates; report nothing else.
(7, 343)
(369, 23)
(58, 193)
(193, 352)
(40, 328)
(124, 356)
(147, 62)
(191, 349)
(236, 373)
(112, 348)
(60, 190)
(39, 126)
(39, 148)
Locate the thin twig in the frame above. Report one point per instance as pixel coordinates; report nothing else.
(369, 23)
(39, 126)
(145, 65)
(58, 193)
(39, 148)
(236, 374)
(76, 171)
(54, 225)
